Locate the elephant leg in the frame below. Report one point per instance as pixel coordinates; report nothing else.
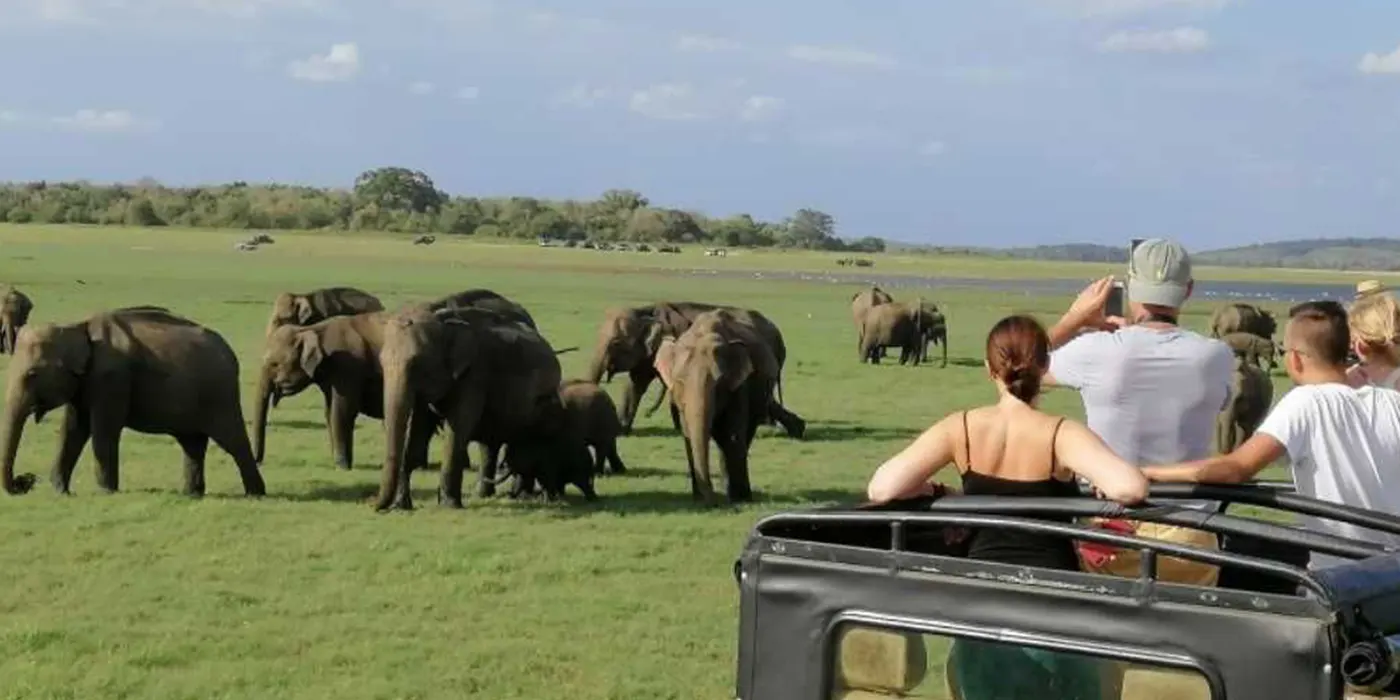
(343, 410)
(486, 485)
(195, 447)
(733, 447)
(326, 415)
(454, 452)
(231, 437)
(792, 423)
(421, 427)
(599, 458)
(108, 408)
(72, 439)
(639, 380)
(609, 453)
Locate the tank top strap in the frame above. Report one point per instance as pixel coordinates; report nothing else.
(1053, 437)
(967, 444)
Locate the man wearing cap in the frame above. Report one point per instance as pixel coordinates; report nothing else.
(1151, 389)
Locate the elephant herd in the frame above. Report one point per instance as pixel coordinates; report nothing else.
(910, 326)
(472, 367)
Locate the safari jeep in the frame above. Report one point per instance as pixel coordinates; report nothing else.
(864, 603)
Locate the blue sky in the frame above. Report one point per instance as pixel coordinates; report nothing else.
(1001, 122)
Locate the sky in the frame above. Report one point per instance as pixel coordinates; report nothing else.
(954, 122)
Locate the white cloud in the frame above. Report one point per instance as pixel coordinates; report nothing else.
(10, 117)
(468, 93)
(669, 101)
(1179, 40)
(701, 43)
(1119, 8)
(421, 87)
(840, 56)
(933, 148)
(340, 64)
(581, 95)
(758, 108)
(103, 121)
(1376, 64)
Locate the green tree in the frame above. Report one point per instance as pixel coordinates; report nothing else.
(396, 188)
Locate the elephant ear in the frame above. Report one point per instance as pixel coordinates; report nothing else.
(736, 364)
(304, 310)
(461, 346)
(666, 354)
(655, 336)
(312, 352)
(74, 347)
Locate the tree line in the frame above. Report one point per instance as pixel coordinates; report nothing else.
(402, 200)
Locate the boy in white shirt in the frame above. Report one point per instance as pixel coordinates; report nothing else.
(1343, 442)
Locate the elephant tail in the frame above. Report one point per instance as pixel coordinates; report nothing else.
(561, 351)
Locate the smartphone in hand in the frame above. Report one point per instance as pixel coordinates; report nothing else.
(1114, 305)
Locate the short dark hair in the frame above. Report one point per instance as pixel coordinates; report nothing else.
(1322, 327)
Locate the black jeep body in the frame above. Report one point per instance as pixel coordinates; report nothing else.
(1271, 629)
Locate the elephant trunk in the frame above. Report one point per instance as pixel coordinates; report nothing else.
(698, 417)
(18, 407)
(599, 365)
(398, 404)
(260, 409)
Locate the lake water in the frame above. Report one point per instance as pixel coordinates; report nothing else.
(1290, 292)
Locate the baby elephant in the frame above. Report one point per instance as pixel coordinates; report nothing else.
(591, 416)
(554, 462)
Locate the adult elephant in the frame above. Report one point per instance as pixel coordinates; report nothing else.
(484, 299)
(900, 325)
(1251, 348)
(1237, 317)
(489, 378)
(720, 374)
(340, 356)
(862, 301)
(143, 368)
(1251, 393)
(629, 337)
(306, 308)
(14, 313)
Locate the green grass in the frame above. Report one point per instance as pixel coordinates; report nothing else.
(309, 594)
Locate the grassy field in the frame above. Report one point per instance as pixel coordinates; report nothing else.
(308, 593)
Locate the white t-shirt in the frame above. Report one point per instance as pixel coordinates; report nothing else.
(1344, 446)
(1151, 394)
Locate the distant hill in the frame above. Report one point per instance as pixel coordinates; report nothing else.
(1317, 253)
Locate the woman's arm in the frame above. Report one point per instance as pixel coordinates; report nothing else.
(905, 474)
(1088, 456)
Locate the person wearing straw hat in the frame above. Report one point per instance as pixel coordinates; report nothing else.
(1366, 288)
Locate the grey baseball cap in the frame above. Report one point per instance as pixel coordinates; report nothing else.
(1159, 272)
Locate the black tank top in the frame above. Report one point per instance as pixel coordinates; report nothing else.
(1013, 546)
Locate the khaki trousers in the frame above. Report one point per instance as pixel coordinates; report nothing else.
(1124, 681)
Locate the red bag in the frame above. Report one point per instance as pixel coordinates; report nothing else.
(1097, 554)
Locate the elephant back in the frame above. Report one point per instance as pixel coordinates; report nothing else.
(483, 299)
(342, 301)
